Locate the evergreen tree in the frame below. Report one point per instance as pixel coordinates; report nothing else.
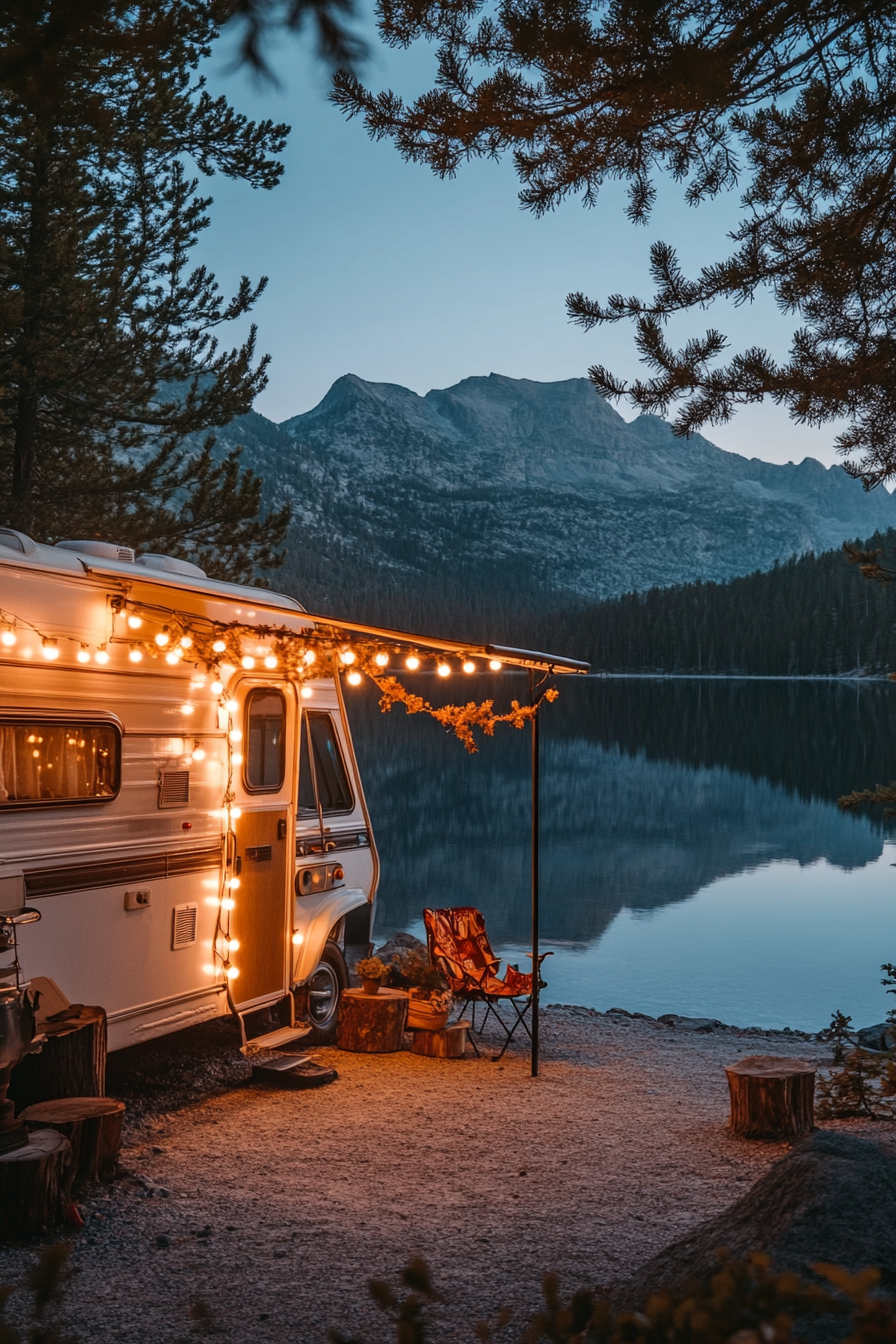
(110, 356)
(796, 96)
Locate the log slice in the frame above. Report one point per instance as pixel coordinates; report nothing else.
(92, 1126)
(72, 1062)
(372, 1023)
(35, 1184)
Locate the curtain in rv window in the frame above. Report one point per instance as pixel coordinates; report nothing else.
(58, 762)
(265, 740)
(333, 789)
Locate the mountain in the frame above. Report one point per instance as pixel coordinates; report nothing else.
(511, 492)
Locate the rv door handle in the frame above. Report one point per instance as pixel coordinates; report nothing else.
(238, 865)
(281, 828)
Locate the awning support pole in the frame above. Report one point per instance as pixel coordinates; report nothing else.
(535, 967)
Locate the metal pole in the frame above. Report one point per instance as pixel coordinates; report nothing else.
(535, 974)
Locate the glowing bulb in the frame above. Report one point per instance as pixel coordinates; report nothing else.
(173, 658)
(198, 754)
(354, 678)
(186, 709)
(8, 637)
(163, 638)
(469, 666)
(83, 654)
(236, 813)
(232, 882)
(247, 662)
(310, 656)
(298, 939)
(50, 649)
(413, 663)
(443, 670)
(306, 692)
(237, 758)
(219, 646)
(382, 660)
(232, 972)
(232, 944)
(216, 687)
(495, 665)
(236, 735)
(134, 622)
(101, 657)
(270, 661)
(228, 904)
(186, 642)
(135, 654)
(347, 656)
(232, 706)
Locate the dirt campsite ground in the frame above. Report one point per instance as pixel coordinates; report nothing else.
(274, 1208)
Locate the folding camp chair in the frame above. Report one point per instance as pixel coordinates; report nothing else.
(459, 947)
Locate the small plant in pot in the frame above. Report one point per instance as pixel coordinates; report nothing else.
(429, 998)
(373, 972)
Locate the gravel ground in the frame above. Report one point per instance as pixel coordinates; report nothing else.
(275, 1207)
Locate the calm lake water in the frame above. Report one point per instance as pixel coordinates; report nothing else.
(693, 856)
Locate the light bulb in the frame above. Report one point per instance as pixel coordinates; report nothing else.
(134, 622)
(237, 758)
(306, 692)
(347, 656)
(219, 646)
(310, 656)
(382, 660)
(443, 670)
(495, 665)
(101, 657)
(270, 661)
(216, 687)
(135, 654)
(469, 666)
(298, 939)
(413, 662)
(228, 904)
(236, 735)
(50, 650)
(248, 663)
(236, 813)
(354, 678)
(198, 754)
(173, 658)
(232, 944)
(232, 706)
(163, 638)
(186, 709)
(186, 642)
(232, 882)
(232, 972)
(83, 654)
(8, 637)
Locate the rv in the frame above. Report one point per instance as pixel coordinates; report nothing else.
(192, 847)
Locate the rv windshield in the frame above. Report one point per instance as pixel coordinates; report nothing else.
(333, 791)
(45, 763)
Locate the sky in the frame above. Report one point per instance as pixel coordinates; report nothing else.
(378, 268)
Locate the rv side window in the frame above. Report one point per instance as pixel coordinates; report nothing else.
(44, 763)
(265, 740)
(333, 791)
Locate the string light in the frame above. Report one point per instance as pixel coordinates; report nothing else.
(198, 753)
(235, 735)
(309, 657)
(232, 972)
(174, 657)
(298, 939)
(248, 663)
(382, 660)
(347, 656)
(102, 656)
(270, 662)
(469, 666)
(8, 637)
(237, 758)
(412, 662)
(306, 692)
(219, 646)
(216, 687)
(228, 903)
(134, 622)
(135, 654)
(163, 638)
(83, 654)
(354, 678)
(494, 664)
(443, 670)
(50, 650)
(186, 709)
(186, 642)
(232, 706)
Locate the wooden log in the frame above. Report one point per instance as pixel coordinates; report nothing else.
(372, 1023)
(35, 1184)
(92, 1126)
(449, 1043)
(771, 1097)
(72, 1062)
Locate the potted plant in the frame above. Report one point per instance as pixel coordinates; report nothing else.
(373, 972)
(429, 998)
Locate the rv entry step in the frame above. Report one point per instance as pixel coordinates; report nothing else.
(273, 1040)
(291, 1071)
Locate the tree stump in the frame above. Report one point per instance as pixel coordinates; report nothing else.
(449, 1043)
(35, 1184)
(72, 1062)
(372, 1023)
(771, 1097)
(92, 1126)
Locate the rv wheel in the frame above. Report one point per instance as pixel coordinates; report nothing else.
(324, 989)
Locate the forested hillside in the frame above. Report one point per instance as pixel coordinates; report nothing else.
(813, 615)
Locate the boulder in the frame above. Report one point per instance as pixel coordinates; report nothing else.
(690, 1023)
(833, 1198)
(882, 1036)
(398, 943)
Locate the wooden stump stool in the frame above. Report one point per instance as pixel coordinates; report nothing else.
(372, 1023)
(449, 1043)
(35, 1184)
(771, 1097)
(92, 1126)
(72, 1062)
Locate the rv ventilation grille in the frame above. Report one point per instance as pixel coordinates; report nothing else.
(183, 933)
(174, 788)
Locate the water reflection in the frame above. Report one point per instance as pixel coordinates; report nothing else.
(652, 792)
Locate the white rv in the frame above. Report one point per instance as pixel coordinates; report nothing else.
(113, 767)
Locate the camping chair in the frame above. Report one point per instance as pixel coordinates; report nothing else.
(459, 947)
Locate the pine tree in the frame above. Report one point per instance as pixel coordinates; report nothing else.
(110, 356)
(793, 99)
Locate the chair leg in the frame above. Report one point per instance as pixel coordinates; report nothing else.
(520, 1019)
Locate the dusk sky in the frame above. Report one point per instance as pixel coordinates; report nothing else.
(380, 269)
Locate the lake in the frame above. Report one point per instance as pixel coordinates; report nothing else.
(693, 857)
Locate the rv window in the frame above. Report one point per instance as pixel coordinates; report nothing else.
(46, 763)
(265, 740)
(329, 771)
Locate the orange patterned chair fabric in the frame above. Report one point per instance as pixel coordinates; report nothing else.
(459, 946)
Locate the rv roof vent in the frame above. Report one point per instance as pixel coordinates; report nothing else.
(103, 550)
(174, 788)
(16, 541)
(171, 565)
(183, 933)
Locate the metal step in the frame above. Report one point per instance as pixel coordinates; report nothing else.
(272, 1040)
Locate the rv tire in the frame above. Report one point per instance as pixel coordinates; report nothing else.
(330, 978)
